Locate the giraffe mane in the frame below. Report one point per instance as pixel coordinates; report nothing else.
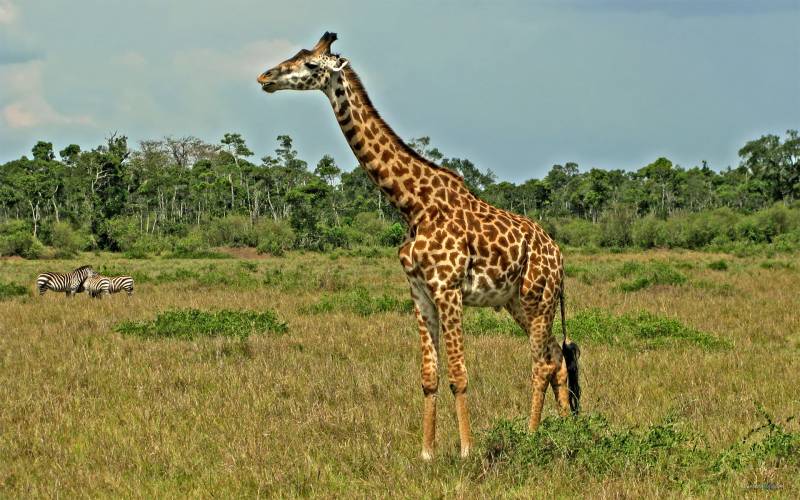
(358, 87)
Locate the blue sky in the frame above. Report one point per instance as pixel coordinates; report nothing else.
(515, 86)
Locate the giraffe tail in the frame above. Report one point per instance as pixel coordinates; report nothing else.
(571, 354)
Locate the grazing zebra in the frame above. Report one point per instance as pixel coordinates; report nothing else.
(120, 283)
(97, 286)
(71, 282)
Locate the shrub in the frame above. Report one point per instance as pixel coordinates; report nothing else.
(579, 232)
(233, 231)
(16, 238)
(393, 235)
(122, 232)
(274, 237)
(188, 324)
(8, 290)
(615, 227)
(637, 330)
(649, 232)
(368, 227)
(66, 241)
(647, 275)
(359, 301)
(718, 265)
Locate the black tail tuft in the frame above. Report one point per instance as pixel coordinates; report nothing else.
(571, 355)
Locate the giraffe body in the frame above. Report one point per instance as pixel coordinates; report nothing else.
(459, 250)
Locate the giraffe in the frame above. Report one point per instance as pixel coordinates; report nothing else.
(458, 251)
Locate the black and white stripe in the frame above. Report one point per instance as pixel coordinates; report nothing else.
(71, 282)
(120, 283)
(97, 286)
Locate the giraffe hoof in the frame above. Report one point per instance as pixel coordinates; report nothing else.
(465, 452)
(427, 455)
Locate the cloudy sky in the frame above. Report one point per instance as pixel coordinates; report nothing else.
(514, 85)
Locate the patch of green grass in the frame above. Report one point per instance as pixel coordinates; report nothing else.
(776, 264)
(178, 274)
(718, 265)
(8, 290)
(485, 321)
(651, 274)
(358, 300)
(637, 330)
(723, 289)
(589, 444)
(188, 324)
(196, 254)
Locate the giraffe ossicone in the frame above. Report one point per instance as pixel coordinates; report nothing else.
(459, 250)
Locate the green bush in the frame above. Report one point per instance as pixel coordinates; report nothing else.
(579, 233)
(637, 330)
(359, 301)
(8, 290)
(649, 232)
(393, 235)
(122, 232)
(66, 241)
(274, 237)
(615, 227)
(16, 238)
(718, 265)
(188, 324)
(647, 275)
(232, 231)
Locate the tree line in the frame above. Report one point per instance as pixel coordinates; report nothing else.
(116, 197)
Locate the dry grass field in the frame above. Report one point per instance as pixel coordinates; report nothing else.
(332, 405)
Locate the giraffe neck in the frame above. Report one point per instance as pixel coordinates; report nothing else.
(411, 183)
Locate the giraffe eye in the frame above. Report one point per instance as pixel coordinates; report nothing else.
(311, 65)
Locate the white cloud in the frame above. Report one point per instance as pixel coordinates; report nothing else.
(8, 12)
(25, 105)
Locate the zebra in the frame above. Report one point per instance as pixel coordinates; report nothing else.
(71, 282)
(97, 286)
(120, 283)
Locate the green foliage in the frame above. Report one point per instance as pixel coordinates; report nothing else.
(194, 246)
(393, 235)
(589, 444)
(647, 275)
(189, 324)
(358, 300)
(641, 330)
(484, 321)
(718, 265)
(66, 240)
(776, 264)
(8, 290)
(232, 231)
(579, 233)
(274, 237)
(649, 232)
(16, 239)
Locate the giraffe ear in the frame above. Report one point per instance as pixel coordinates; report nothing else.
(342, 63)
(324, 44)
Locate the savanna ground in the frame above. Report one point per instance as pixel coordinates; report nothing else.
(685, 354)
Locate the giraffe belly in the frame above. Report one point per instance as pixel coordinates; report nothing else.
(481, 291)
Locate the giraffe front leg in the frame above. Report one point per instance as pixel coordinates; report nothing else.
(428, 322)
(449, 307)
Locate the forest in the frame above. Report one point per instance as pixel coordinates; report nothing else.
(182, 196)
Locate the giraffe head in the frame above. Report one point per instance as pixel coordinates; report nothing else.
(306, 70)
